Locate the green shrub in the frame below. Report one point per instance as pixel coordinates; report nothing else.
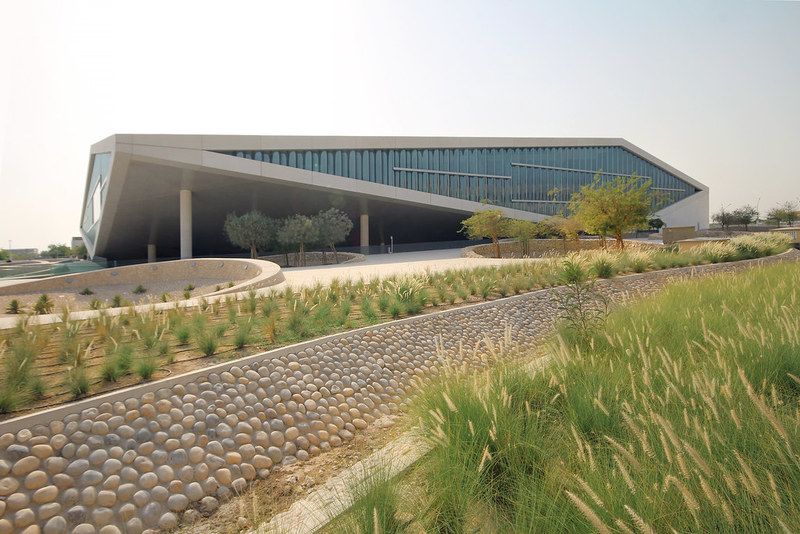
(139, 290)
(43, 305)
(96, 304)
(77, 381)
(368, 310)
(86, 291)
(603, 266)
(165, 297)
(14, 307)
(116, 301)
(146, 367)
(189, 287)
(383, 302)
(182, 334)
(187, 294)
(243, 334)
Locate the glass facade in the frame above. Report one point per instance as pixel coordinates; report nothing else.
(95, 200)
(536, 179)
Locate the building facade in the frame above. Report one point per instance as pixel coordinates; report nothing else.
(166, 196)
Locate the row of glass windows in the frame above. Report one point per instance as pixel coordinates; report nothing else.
(511, 177)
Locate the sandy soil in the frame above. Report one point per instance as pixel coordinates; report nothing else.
(154, 290)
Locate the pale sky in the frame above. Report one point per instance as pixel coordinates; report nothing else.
(712, 88)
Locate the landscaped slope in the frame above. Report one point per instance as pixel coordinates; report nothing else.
(681, 413)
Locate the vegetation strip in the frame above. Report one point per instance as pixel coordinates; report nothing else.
(681, 414)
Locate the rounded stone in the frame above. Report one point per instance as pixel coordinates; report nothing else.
(239, 485)
(91, 478)
(178, 503)
(111, 466)
(248, 472)
(46, 511)
(223, 476)
(126, 511)
(164, 473)
(25, 466)
(194, 492)
(17, 501)
(55, 525)
(84, 528)
(125, 492)
(77, 467)
(77, 514)
(45, 495)
(134, 525)
(106, 498)
(168, 521)
(110, 529)
(42, 451)
(141, 497)
(98, 457)
(159, 493)
(277, 438)
(151, 513)
(24, 517)
(102, 515)
(8, 486)
(6, 526)
(148, 480)
(88, 496)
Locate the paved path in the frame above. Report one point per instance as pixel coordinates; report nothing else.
(386, 265)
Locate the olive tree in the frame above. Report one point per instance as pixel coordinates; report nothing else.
(300, 231)
(333, 226)
(253, 231)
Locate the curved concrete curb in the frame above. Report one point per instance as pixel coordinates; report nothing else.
(264, 274)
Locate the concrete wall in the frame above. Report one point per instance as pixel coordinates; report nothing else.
(263, 272)
(678, 233)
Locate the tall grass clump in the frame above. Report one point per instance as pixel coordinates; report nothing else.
(682, 414)
(374, 506)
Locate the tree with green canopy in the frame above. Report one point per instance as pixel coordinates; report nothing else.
(486, 223)
(253, 231)
(299, 230)
(523, 231)
(333, 226)
(614, 206)
(786, 212)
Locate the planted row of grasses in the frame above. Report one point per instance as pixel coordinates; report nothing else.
(681, 415)
(100, 353)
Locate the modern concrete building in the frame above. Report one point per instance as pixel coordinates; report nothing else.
(166, 196)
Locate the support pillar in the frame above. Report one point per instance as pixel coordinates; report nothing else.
(151, 253)
(364, 233)
(186, 224)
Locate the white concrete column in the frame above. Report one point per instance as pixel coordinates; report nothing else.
(364, 230)
(151, 253)
(186, 224)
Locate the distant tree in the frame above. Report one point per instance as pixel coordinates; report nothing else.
(333, 226)
(655, 223)
(786, 212)
(253, 231)
(486, 223)
(79, 252)
(745, 216)
(613, 207)
(723, 218)
(56, 251)
(299, 230)
(4, 255)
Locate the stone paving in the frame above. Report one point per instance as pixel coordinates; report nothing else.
(134, 460)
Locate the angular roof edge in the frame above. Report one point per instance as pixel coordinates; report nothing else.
(320, 142)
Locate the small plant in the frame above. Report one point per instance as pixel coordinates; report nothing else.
(146, 367)
(603, 266)
(208, 342)
(243, 333)
(230, 284)
(368, 310)
(14, 307)
(86, 291)
(44, 305)
(95, 304)
(164, 297)
(269, 307)
(187, 294)
(182, 334)
(77, 381)
(189, 287)
(218, 288)
(116, 301)
(203, 304)
(140, 289)
(383, 302)
(581, 307)
(396, 308)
